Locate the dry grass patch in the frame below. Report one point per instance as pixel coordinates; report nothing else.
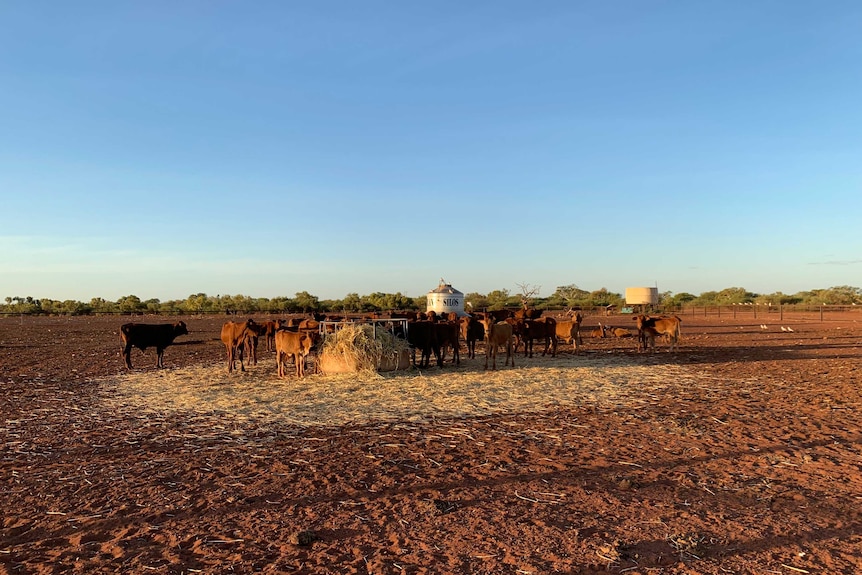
(333, 400)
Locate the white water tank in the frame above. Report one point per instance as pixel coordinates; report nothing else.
(445, 299)
(642, 296)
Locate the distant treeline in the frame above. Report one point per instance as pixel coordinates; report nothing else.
(304, 302)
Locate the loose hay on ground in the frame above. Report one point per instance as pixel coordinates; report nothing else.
(356, 398)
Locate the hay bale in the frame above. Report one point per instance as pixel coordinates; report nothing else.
(355, 348)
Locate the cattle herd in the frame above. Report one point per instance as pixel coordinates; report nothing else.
(429, 333)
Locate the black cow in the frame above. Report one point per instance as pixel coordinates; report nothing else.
(447, 335)
(543, 328)
(144, 335)
(472, 331)
(423, 335)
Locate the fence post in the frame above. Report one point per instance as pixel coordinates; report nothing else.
(821, 313)
(781, 311)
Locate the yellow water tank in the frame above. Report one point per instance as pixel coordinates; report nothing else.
(642, 296)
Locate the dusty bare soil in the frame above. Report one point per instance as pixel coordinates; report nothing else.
(741, 453)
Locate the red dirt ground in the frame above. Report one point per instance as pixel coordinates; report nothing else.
(758, 472)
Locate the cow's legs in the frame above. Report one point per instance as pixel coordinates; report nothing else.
(127, 355)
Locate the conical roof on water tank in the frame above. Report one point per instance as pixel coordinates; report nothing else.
(445, 299)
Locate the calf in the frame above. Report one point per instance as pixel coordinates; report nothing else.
(519, 332)
(570, 330)
(423, 335)
(472, 330)
(668, 326)
(646, 338)
(236, 337)
(498, 314)
(543, 328)
(270, 327)
(527, 313)
(447, 335)
(143, 335)
(295, 343)
(497, 334)
(255, 331)
(619, 332)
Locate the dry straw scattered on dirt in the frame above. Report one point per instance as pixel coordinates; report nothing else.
(356, 398)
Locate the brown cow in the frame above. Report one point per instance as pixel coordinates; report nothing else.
(497, 334)
(143, 335)
(519, 332)
(295, 343)
(255, 332)
(527, 313)
(668, 326)
(646, 338)
(270, 327)
(599, 332)
(619, 332)
(236, 337)
(570, 330)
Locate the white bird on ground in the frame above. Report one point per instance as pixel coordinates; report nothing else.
(789, 328)
(763, 326)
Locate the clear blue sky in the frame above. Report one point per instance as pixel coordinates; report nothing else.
(165, 148)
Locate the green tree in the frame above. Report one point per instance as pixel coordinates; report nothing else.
(734, 295)
(197, 303)
(130, 303)
(280, 304)
(352, 303)
(497, 299)
(668, 299)
(330, 305)
(845, 295)
(400, 301)
(245, 304)
(306, 302)
(73, 307)
(376, 301)
(603, 297)
(568, 296)
(99, 305)
(476, 301)
(776, 298)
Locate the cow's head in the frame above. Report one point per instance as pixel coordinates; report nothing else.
(307, 342)
(180, 328)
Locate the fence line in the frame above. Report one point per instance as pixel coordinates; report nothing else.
(766, 312)
(754, 311)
